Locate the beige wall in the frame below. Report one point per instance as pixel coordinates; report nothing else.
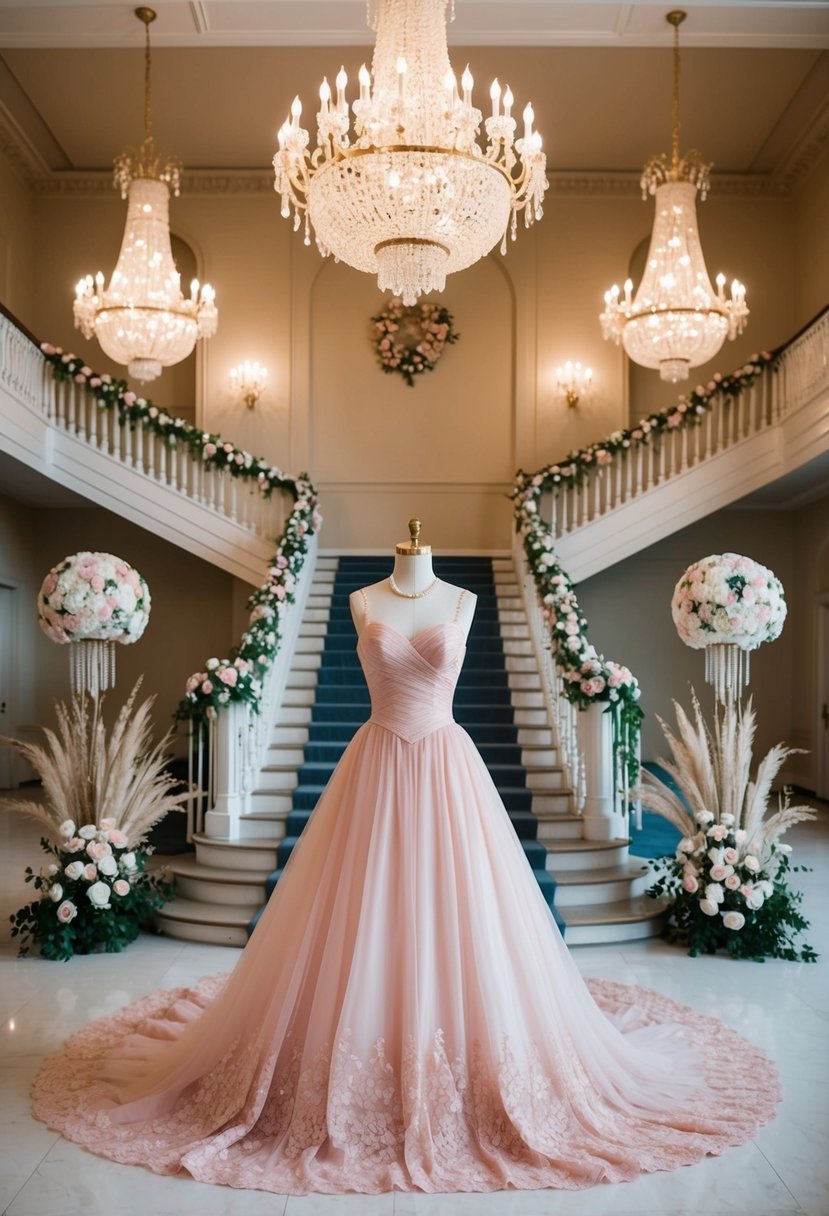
(811, 237)
(17, 281)
(629, 617)
(196, 609)
(379, 449)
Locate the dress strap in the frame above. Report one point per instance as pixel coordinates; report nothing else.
(366, 617)
(458, 606)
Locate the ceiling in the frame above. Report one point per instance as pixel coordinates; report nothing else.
(755, 79)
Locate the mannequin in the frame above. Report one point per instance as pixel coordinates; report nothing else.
(413, 598)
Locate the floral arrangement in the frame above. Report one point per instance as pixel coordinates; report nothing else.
(93, 596)
(727, 880)
(95, 894)
(261, 640)
(726, 598)
(688, 411)
(411, 340)
(588, 676)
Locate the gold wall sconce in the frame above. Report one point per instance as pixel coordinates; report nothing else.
(573, 382)
(247, 382)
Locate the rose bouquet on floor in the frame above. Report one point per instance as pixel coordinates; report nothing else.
(95, 893)
(727, 882)
(102, 794)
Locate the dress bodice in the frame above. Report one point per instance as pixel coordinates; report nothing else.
(411, 682)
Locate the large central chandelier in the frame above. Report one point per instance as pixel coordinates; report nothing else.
(142, 319)
(410, 195)
(676, 320)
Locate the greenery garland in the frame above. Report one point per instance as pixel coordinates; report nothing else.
(687, 412)
(588, 676)
(239, 678)
(424, 331)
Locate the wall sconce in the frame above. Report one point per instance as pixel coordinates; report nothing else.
(573, 381)
(247, 381)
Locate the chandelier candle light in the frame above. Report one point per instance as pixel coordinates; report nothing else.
(573, 381)
(142, 319)
(676, 320)
(248, 382)
(410, 195)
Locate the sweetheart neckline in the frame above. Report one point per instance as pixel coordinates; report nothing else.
(419, 634)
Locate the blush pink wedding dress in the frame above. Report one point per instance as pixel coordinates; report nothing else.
(406, 1014)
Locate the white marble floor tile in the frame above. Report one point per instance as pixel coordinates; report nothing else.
(782, 1007)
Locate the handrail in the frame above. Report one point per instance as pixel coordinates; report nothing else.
(104, 413)
(588, 484)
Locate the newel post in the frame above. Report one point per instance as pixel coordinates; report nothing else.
(603, 819)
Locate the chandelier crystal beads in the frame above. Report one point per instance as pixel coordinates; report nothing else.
(142, 319)
(676, 320)
(410, 194)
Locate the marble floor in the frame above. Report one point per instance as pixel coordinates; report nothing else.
(780, 1006)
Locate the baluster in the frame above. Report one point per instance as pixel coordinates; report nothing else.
(630, 459)
(234, 496)
(720, 410)
(640, 473)
(127, 441)
(174, 482)
(152, 441)
(598, 478)
(162, 463)
(684, 449)
(554, 514)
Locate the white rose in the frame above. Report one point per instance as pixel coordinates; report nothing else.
(98, 895)
(74, 870)
(67, 829)
(727, 819)
(715, 856)
(128, 861)
(707, 907)
(52, 869)
(56, 892)
(704, 817)
(88, 831)
(754, 900)
(714, 893)
(108, 866)
(751, 863)
(733, 920)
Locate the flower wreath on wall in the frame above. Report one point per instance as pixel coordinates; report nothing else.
(411, 340)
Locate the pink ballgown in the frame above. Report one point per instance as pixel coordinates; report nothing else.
(406, 1014)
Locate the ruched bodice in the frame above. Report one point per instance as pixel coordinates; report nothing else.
(411, 682)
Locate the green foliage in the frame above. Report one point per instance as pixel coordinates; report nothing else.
(88, 928)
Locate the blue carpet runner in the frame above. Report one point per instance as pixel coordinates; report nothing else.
(658, 837)
(482, 706)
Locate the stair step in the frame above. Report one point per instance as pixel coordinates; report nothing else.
(196, 921)
(235, 854)
(212, 884)
(579, 854)
(611, 885)
(620, 921)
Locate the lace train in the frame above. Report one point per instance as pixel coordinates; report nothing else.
(337, 1122)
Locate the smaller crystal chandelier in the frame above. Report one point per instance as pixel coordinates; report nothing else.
(410, 195)
(676, 320)
(573, 381)
(142, 319)
(247, 381)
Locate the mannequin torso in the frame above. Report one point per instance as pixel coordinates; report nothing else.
(413, 599)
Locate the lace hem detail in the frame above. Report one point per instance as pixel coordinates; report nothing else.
(280, 1121)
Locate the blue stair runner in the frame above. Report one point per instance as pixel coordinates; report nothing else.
(482, 706)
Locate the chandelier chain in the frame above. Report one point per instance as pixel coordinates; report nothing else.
(148, 102)
(676, 18)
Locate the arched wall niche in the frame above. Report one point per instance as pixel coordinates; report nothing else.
(443, 450)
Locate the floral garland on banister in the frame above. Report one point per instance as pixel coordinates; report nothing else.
(588, 676)
(687, 412)
(238, 678)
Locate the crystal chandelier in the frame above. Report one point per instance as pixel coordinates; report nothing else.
(142, 319)
(676, 320)
(410, 195)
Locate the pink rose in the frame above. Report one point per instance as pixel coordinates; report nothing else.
(228, 675)
(121, 887)
(50, 583)
(97, 583)
(104, 612)
(207, 687)
(690, 883)
(210, 449)
(98, 849)
(718, 831)
(74, 845)
(732, 882)
(90, 872)
(118, 838)
(130, 398)
(66, 912)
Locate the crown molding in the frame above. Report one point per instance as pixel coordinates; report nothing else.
(44, 182)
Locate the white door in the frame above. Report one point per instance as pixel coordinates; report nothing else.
(822, 730)
(6, 716)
